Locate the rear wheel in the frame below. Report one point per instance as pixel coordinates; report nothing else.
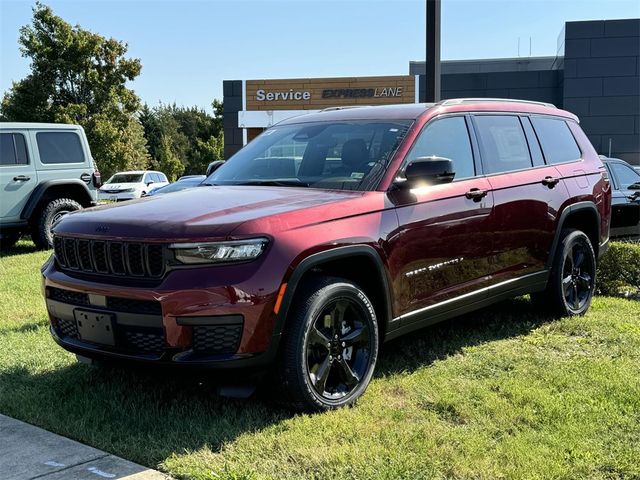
(51, 213)
(331, 346)
(572, 281)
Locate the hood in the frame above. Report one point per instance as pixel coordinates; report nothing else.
(214, 213)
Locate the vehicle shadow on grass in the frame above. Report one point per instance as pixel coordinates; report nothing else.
(21, 248)
(506, 319)
(148, 415)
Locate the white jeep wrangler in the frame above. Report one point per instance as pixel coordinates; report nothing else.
(46, 171)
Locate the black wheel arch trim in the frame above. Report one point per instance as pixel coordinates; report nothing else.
(328, 255)
(39, 192)
(571, 209)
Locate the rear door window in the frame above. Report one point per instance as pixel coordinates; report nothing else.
(448, 138)
(13, 149)
(59, 147)
(558, 144)
(503, 143)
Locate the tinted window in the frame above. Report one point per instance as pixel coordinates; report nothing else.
(59, 147)
(349, 155)
(504, 146)
(532, 140)
(13, 149)
(625, 175)
(125, 178)
(7, 150)
(448, 138)
(556, 139)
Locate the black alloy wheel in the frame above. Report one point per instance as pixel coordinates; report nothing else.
(578, 275)
(330, 345)
(571, 283)
(338, 348)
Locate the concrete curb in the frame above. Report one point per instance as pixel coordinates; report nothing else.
(29, 453)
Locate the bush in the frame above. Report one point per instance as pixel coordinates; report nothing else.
(619, 270)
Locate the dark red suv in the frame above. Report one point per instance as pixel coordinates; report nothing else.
(333, 232)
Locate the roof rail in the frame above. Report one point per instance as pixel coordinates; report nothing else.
(457, 101)
(329, 109)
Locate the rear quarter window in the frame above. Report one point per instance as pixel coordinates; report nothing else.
(59, 147)
(556, 139)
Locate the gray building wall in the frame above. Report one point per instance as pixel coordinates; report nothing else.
(595, 74)
(602, 83)
(536, 78)
(232, 91)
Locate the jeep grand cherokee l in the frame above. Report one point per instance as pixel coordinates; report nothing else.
(333, 232)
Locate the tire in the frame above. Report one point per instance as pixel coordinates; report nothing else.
(571, 283)
(8, 240)
(54, 210)
(321, 338)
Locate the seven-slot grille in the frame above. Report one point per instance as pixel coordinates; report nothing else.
(110, 258)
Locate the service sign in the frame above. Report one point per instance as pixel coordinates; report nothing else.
(318, 93)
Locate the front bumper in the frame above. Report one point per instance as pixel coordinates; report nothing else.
(207, 326)
(117, 197)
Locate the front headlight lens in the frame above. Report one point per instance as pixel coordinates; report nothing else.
(219, 252)
(128, 190)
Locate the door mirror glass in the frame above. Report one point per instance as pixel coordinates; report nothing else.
(428, 170)
(213, 166)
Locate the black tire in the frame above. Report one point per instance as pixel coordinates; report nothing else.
(51, 212)
(572, 280)
(8, 240)
(308, 349)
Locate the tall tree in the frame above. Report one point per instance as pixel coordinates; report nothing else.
(80, 77)
(192, 135)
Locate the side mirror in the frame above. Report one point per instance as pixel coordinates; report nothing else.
(213, 166)
(634, 186)
(150, 182)
(428, 170)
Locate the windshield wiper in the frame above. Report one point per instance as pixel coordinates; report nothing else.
(272, 183)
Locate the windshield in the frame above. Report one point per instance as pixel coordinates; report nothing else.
(181, 185)
(346, 156)
(126, 178)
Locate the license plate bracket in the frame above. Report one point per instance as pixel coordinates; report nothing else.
(95, 327)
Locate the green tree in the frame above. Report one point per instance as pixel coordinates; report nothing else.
(194, 136)
(167, 161)
(80, 77)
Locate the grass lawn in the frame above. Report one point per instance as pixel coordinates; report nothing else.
(505, 393)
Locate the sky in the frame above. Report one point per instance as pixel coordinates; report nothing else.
(188, 48)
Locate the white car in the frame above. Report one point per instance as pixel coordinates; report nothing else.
(130, 185)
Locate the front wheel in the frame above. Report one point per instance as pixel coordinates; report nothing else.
(330, 347)
(52, 212)
(572, 281)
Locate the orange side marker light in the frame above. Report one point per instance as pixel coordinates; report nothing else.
(276, 308)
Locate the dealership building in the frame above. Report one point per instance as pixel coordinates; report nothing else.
(594, 74)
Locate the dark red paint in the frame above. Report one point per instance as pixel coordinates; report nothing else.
(505, 235)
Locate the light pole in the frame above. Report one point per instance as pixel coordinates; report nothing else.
(432, 60)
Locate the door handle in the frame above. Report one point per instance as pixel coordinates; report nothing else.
(476, 194)
(550, 181)
(21, 178)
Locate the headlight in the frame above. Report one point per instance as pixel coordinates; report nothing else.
(128, 190)
(219, 252)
